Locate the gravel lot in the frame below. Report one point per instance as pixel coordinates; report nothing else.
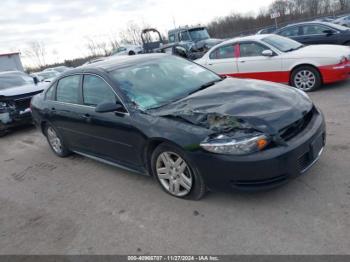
(50, 205)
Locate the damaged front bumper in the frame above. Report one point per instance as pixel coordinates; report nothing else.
(11, 117)
(266, 169)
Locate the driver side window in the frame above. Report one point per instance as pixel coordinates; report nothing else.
(251, 49)
(97, 91)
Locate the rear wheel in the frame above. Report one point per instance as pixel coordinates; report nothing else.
(306, 78)
(175, 174)
(55, 141)
(3, 133)
(132, 53)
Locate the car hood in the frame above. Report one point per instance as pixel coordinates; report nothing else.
(22, 90)
(237, 103)
(321, 51)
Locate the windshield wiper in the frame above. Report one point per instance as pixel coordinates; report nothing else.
(206, 85)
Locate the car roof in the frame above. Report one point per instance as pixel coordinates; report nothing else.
(116, 62)
(306, 23)
(245, 38)
(11, 72)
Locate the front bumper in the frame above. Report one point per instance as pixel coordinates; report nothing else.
(335, 73)
(266, 169)
(14, 117)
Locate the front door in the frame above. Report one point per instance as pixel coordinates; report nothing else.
(253, 64)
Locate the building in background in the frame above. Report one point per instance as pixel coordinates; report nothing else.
(10, 62)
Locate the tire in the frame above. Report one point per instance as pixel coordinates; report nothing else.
(347, 43)
(306, 78)
(58, 146)
(187, 184)
(132, 53)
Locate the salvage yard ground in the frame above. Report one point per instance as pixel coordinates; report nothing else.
(50, 205)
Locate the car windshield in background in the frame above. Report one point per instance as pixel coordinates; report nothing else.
(337, 27)
(282, 43)
(199, 34)
(47, 75)
(161, 81)
(8, 81)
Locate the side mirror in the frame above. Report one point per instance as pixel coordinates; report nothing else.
(267, 53)
(109, 107)
(328, 32)
(180, 51)
(36, 80)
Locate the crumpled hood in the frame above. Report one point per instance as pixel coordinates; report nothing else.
(232, 103)
(22, 90)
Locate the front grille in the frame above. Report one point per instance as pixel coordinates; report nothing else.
(22, 103)
(259, 183)
(304, 161)
(297, 127)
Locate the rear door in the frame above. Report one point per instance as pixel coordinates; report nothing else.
(64, 110)
(223, 61)
(252, 64)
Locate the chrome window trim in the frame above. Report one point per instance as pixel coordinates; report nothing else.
(82, 74)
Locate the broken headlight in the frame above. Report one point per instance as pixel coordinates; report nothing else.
(223, 144)
(3, 105)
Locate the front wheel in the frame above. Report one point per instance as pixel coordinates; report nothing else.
(306, 78)
(175, 174)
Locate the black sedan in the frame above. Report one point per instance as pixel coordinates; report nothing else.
(313, 33)
(182, 124)
(16, 91)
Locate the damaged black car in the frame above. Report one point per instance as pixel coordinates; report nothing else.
(16, 91)
(189, 128)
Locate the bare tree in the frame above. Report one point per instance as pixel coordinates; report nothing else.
(97, 48)
(37, 52)
(132, 34)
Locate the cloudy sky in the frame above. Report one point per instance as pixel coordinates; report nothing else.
(64, 25)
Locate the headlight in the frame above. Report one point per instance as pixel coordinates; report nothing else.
(223, 144)
(3, 105)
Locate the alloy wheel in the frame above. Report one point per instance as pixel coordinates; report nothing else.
(54, 140)
(305, 80)
(174, 174)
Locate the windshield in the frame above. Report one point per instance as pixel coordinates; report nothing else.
(336, 26)
(199, 34)
(161, 81)
(282, 43)
(14, 80)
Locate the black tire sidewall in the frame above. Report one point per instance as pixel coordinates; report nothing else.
(198, 188)
(65, 151)
(318, 79)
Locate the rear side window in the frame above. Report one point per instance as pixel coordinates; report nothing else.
(68, 89)
(97, 91)
(293, 31)
(171, 38)
(223, 52)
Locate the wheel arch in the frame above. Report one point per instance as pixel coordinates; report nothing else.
(151, 145)
(301, 65)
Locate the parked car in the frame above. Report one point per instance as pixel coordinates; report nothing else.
(267, 30)
(46, 76)
(59, 69)
(344, 21)
(186, 126)
(127, 50)
(329, 19)
(16, 91)
(279, 59)
(313, 33)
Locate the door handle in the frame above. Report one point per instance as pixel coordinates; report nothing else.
(86, 116)
(210, 64)
(242, 61)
